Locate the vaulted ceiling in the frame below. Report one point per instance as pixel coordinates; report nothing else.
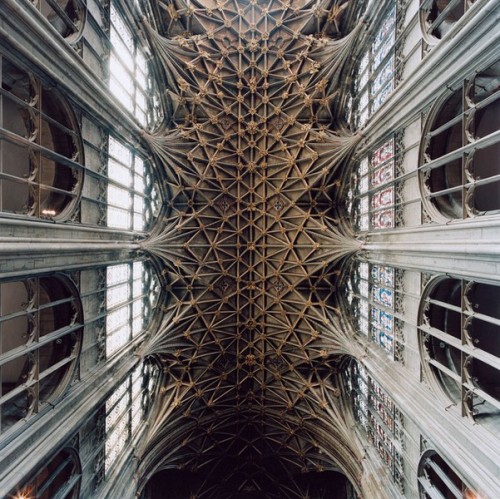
(253, 243)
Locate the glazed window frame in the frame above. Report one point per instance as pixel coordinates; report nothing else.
(373, 298)
(458, 383)
(371, 199)
(52, 302)
(376, 72)
(131, 76)
(428, 9)
(132, 290)
(451, 157)
(39, 128)
(433, 468)
(378, 417)
(127, 408)
(133, 200)
(61, 20)
(69, 489)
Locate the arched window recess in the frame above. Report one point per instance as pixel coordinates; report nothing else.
(438, 480)
(459, 327)
(459, 175)
(41, 328)
(41, 150)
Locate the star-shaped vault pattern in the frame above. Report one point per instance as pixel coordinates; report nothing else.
(251, 243)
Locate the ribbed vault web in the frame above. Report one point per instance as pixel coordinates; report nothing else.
(251, 245)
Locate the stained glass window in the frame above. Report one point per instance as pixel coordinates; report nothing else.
(373, 193)
(378, 417)
(371, 294)
(375, 79)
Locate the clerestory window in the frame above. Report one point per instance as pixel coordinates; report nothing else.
(375, 78)
(371, 199)
(132, 290)
(378, 417)
(372, 298)
(41, 150)
(459, 171)
(459, 327)
(126, 409)
(130, 75)
(132, 195)
(41, 330)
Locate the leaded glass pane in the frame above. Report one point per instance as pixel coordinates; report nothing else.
(381, 295)
(383, 275)
(383, 219)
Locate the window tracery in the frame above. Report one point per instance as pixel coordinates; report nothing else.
(131, 293)
(375, 79)
(132, 195)
(372, 197)
(459, 325)
(459, 176)
(373, 297)
(379, 418)
(41, 322)
(127, 407)
(130, 79)
(41, 150)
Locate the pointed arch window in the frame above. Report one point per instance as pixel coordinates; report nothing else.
(459, 171)
(132, 195)
(130, 75)
(41, 331)
(378, 417)
(371, 198)
(61, 477)
(373, 298)
(438, 480)
(127, 408)
(459, 325)
(376, 71)
(132, 290)
(41, 149)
